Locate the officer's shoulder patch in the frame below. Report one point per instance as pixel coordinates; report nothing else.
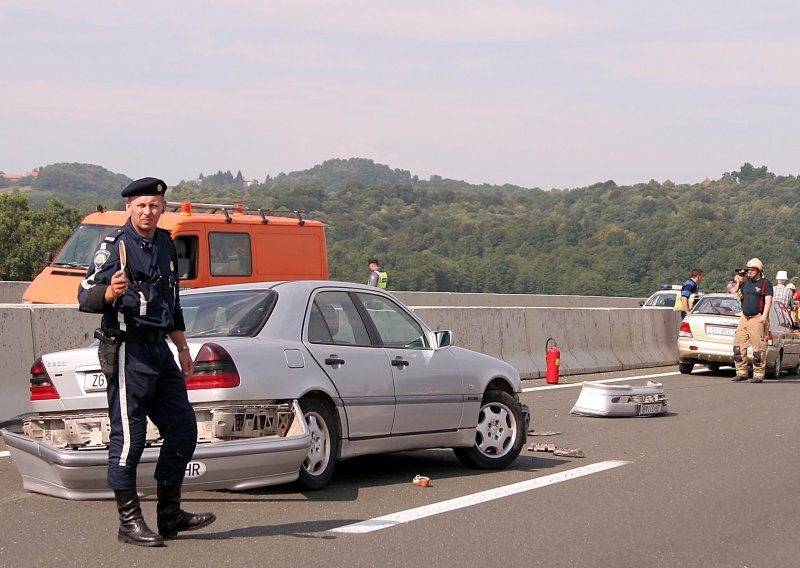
(100, 258)
(113, 238)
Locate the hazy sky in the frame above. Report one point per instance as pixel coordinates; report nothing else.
(538, 94)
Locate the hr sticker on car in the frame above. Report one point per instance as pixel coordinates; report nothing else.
(195, 469)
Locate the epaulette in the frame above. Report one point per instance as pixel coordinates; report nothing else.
(113, 238)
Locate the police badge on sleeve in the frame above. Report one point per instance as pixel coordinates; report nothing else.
(100, 258)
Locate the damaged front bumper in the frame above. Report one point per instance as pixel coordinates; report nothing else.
(248, 457)
(600, 399)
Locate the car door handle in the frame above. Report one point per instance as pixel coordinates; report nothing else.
(399, 362)
(334, 361)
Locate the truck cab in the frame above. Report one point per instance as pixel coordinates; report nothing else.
(216, 245)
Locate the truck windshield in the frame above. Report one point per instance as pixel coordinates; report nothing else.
(80, 247)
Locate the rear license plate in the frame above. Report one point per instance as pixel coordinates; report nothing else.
(94, 382)
(646, 409)
(726, 331)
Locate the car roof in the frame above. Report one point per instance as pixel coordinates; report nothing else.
(293, 285)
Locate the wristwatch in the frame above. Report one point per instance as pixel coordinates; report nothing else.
(183, 348)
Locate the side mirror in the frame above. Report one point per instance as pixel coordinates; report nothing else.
(444, 338)
(48, 258)
(641, 303)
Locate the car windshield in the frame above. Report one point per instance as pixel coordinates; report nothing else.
(226, 314)
(661, 300)
(719, 306)
(80, 247)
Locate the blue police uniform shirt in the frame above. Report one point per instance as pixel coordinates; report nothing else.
(151, 302)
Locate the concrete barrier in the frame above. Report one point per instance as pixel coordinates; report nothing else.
(460, 299)
(590, 339)
(11, 292)
(16, 354)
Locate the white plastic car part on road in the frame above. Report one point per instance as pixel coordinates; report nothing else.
(599, 399)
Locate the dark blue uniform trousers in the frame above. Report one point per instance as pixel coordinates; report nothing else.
(149, 383)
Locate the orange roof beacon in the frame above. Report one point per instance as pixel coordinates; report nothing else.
(216, 245)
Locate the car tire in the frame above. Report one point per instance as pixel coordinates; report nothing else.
(713, 367)
(499, 436)
(320, 462)
(685, 368)
(775, 372)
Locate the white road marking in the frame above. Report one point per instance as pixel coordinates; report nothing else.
(4, 454)
(619, 380)
(409, 515)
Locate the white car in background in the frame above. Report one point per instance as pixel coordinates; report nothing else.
(665, 298)
(289, 378)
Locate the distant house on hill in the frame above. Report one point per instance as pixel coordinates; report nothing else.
(17, 177)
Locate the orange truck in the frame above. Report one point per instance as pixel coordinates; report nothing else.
(216, 245)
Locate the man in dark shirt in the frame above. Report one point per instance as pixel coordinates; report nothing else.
(755, 292)
(690, 291)
(133, 282)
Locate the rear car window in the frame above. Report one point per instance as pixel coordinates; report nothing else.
(227, 314)
(721, 306)
(334, 320)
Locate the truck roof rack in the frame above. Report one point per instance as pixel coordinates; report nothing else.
(237, 208)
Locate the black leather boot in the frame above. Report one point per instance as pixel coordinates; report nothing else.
(172, 519)
(132, 528)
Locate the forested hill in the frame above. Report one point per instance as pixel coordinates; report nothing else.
(447, 235)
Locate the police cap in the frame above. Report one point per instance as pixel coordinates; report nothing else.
(145, 186)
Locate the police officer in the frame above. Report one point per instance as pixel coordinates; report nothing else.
(133, 282)
(756, 294)
(377, 277)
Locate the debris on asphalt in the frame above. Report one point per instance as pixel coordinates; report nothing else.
(545, 433)
(421, 480)
(569, 452)
(557, 450)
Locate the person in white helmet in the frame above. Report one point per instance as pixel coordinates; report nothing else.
(756, 293)
(783, 294)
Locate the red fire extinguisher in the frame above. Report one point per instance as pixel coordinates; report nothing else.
(553, 362)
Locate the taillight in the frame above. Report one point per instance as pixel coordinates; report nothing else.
(769, 338)
(213, 369)
(42, 388)
(685, 330)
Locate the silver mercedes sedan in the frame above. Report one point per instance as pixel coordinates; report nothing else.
(290, 377)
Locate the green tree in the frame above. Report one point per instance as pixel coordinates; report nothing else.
(26, 234)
